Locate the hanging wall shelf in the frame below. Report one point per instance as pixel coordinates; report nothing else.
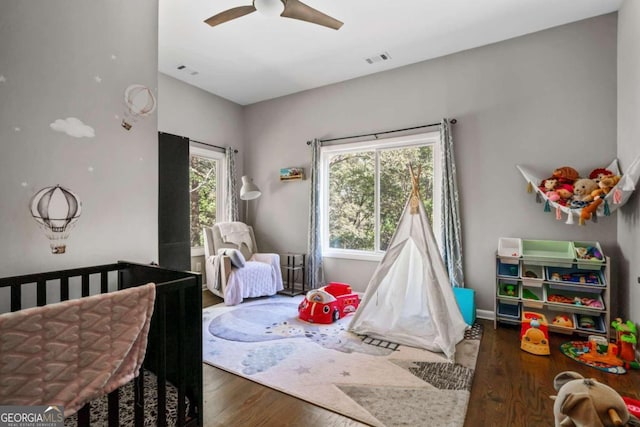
(613, 200)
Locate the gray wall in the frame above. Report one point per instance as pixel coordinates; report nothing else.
(543, 100)
(628, 149)
(50, 55)
(188, 111)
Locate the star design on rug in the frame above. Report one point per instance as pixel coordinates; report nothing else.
(302, 370)
(345, 374)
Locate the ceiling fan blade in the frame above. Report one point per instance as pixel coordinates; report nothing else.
(230, 14)
(295, 9)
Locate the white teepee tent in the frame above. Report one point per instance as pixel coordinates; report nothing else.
(409, 299)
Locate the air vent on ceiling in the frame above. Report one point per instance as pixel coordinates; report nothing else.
(186, 69)
(384, 56)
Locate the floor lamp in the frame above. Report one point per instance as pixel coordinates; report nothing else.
(248, 191)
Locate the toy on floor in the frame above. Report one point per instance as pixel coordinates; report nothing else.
(625, 339)
(584, 402)
(633, 405)
(328, 303)
(534, 334)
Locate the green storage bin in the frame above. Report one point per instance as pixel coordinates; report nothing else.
(548, 252)
(593, 248)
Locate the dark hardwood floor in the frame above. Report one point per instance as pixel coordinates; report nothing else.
(510, 388)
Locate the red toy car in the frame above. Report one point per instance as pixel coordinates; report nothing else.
(328, 303)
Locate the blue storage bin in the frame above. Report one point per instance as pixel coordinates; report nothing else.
(467, 303)
(508, 270)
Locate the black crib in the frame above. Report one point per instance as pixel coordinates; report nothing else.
(174, 350)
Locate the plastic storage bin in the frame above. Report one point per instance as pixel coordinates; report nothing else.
(532, 275)
(573, 276)
(509, 311)
(510, 250)
(595, 322)
(532, 297)
(562, 321)
(548, 252)
(508, 270)
(508, 289)
(596, 257)
(579, 301)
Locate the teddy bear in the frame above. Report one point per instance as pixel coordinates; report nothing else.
(585, 402)
(582, 190)
(607, 183)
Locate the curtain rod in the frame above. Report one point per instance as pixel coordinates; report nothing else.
(211, 145)
(452, 121)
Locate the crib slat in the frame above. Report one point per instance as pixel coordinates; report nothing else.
(84, 415)
(181, 357)
(41, 293)
(104, 282)
(85, 285)
(16, 297)
(64, 288)
(161, 351)
(114, 408)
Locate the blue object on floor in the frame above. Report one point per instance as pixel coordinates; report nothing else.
(467, 303)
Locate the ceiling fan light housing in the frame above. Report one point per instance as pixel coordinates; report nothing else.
(270, 8)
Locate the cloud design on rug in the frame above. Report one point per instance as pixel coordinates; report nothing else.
(279, 321)
(73, 126)
(263, 358)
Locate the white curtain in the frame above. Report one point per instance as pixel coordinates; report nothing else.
(230, 186)
(451, 229)
(315, 275)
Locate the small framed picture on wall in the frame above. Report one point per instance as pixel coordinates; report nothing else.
(290, 174)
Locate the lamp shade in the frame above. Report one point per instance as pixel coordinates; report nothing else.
(249, 190)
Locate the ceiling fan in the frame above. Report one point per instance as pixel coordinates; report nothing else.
(293, 9)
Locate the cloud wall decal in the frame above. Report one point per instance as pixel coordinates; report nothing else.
(73, 127)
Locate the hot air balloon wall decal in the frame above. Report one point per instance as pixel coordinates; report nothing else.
(56, 209)
(140, 102)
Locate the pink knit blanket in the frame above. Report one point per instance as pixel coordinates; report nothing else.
(74, 351)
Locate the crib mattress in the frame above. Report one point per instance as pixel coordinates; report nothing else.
(100, 408)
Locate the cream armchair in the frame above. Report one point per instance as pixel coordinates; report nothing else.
(234, 268)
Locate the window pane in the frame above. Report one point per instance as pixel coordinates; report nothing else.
(203, 196)
(351, 201)
(395, 185)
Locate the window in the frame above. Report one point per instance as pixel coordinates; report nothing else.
(365, 186)
(206, 178)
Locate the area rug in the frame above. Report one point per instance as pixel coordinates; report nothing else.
(372, 381)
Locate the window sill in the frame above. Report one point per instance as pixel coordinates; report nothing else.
(198, 251)
(355, 255)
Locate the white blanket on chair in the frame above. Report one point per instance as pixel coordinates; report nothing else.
(236, 233)
(260, 276)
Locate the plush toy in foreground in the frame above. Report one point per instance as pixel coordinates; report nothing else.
(584, 402)
(328, 303)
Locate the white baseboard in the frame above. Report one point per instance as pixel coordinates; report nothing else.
(485, 314)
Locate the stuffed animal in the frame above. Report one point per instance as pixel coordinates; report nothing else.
(608, 182)
(548, 186)
(584, 402)
(565, 191)
(582, 189)
(566, 174)
(599, 173)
